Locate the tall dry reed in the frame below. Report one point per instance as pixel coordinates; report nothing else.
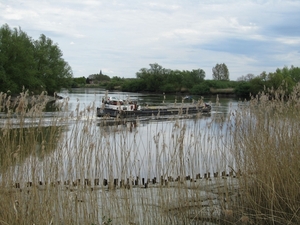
(267, 150)
(71, 168)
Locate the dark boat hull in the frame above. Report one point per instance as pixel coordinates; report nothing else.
(152, 112)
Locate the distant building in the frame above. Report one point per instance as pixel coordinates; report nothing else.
(93, 79)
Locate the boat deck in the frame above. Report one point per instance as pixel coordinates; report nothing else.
(148, 111)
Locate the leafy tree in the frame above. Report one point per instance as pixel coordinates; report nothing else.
(220, 72)
(78, 82)
(281, 79)
(153, 77)
(168, 88)
(191, 78)
(243, 88)
(115, 82)
(197, 75)
(174, 77)
(295, 74)
(247, 77)
(52, 70)
(134, 85)
(257, 85)
(17, 61)
(201, 89)
(33, 65)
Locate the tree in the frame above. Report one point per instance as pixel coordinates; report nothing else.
(197, 75)
(243, 88)
(52, 70)
(191, 78)
(247, 77)
(153, 77)
(295, 74)
(201, 89)
(17, 60)
(78, 82)
(220, 72)
(33, 65)
(257, 84)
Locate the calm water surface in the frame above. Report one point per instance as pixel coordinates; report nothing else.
(146, 148)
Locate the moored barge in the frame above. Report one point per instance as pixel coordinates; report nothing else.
(113, 107)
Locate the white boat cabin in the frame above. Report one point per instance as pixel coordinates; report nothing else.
(118, 104)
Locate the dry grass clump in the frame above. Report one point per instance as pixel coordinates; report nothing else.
(240, 168)
(72, 169)
(266, 145)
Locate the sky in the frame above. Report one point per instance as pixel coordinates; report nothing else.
(119, 37)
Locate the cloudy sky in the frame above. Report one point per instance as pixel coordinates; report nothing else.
(120, 37)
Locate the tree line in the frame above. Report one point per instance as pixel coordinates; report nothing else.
(35, 65)
(38, 65)
(159, 79)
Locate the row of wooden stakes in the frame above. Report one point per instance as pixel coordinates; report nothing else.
(133, 182)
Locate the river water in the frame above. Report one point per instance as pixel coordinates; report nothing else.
(89, 148)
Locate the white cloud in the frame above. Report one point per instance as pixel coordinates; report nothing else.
(120, 37)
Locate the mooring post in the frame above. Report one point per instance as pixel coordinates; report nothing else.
(115, 182)
(104, 182)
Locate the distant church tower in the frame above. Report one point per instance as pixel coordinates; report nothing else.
(100, 72)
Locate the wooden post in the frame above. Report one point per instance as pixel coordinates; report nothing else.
(154, 180)
(170, 179)
(87, 182)
(223, 173)
(122, 183)
(115, 182)
(104, 182)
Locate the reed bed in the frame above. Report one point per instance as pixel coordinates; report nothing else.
(70, 168)
(267, 149)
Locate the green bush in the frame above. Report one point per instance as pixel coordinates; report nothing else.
(242, 89)
(200, 89)
(168, 88)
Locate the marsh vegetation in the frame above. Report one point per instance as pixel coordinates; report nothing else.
(241, 167)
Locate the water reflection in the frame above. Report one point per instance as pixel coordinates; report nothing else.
(86, 147)
(20, 145)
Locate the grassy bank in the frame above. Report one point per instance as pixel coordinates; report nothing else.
(239, 168)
